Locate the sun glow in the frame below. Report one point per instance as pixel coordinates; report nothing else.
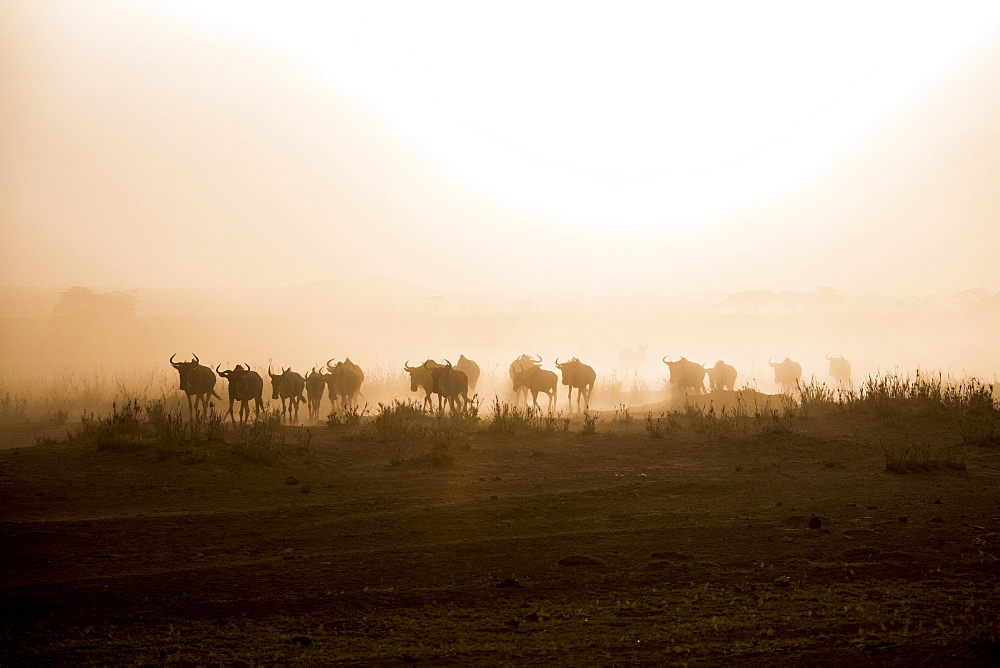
(646, 113)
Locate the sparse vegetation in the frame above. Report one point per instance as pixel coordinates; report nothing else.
(656, 427)
(590, 422)
(920, 459)
(348, 417)
(622, 415)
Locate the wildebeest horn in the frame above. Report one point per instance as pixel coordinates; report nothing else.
(269, 371)
(217, 369)
(665, 359)
(449, 363)
(557, 361)
(284, 371)
(172, 362)
(328, 366)
(248, 366)
(407, 367)
(195, 358)
(539, 360)
(828, 355)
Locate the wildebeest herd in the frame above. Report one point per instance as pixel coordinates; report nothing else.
(454, 384)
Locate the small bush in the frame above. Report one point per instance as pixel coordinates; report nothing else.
(396, 422)
(508, 418)
(349, 417)
(983, 432)
(261, 441)
(590, 422)
(656, 427)
(622, 415)
(920, 459)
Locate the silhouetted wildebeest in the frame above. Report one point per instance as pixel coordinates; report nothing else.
(288, 386)
(629, 360)
(722, 376)
(581, 376)
(315, 386)
(471, 371)
(840, 370)
(244, 385)
(534, 380)
(787, 374)
(344, 380)
(197, 381)
(421, 378)
(523, 363)
(685, 374)
(450, 384)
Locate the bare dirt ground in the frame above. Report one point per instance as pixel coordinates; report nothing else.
(542, 548)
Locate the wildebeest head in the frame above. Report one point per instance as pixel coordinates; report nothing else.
(786, 372)
(685, 373)
(184, 368)
(840, 369)
(276, 380)
(420, 375)
(524, 363)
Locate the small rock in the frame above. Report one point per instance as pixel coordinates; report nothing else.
(904, 519)
(509, 582)
(815, 522)
(977, 528)
(786, 539)
(852, 505)
(938, 518)
(305, 489)
(783, 581)
(304, 641)
(937, 502)
(291, 480)
(532, 617)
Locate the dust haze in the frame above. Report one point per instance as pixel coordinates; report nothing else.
(170, 188)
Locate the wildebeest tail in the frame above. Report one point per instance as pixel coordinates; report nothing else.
(216, 395)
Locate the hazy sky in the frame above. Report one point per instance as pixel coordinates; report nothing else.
(550, 146)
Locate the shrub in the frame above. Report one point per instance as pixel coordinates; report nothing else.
(655, 427)
(350, 416)
(920, 459)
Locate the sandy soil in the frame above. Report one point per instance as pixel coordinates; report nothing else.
(545, 548)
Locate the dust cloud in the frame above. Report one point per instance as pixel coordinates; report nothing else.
(171, 189)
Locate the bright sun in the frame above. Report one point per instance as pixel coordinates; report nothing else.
(643, 113)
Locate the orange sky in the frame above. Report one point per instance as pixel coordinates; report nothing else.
(156, 145)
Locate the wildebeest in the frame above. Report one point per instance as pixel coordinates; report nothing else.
(523, 363)
(629, 360)
(579, 375)
(685, 374)
(450, 384)
(315, 386)
(197, 381)
(722, 376)
(471, 371)
(421, 378)
(840, 370)
(244, 385)
(288, 386)
(344, 380)
(787, 374)
(534, 379)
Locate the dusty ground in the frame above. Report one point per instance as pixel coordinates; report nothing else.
(566, 548)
